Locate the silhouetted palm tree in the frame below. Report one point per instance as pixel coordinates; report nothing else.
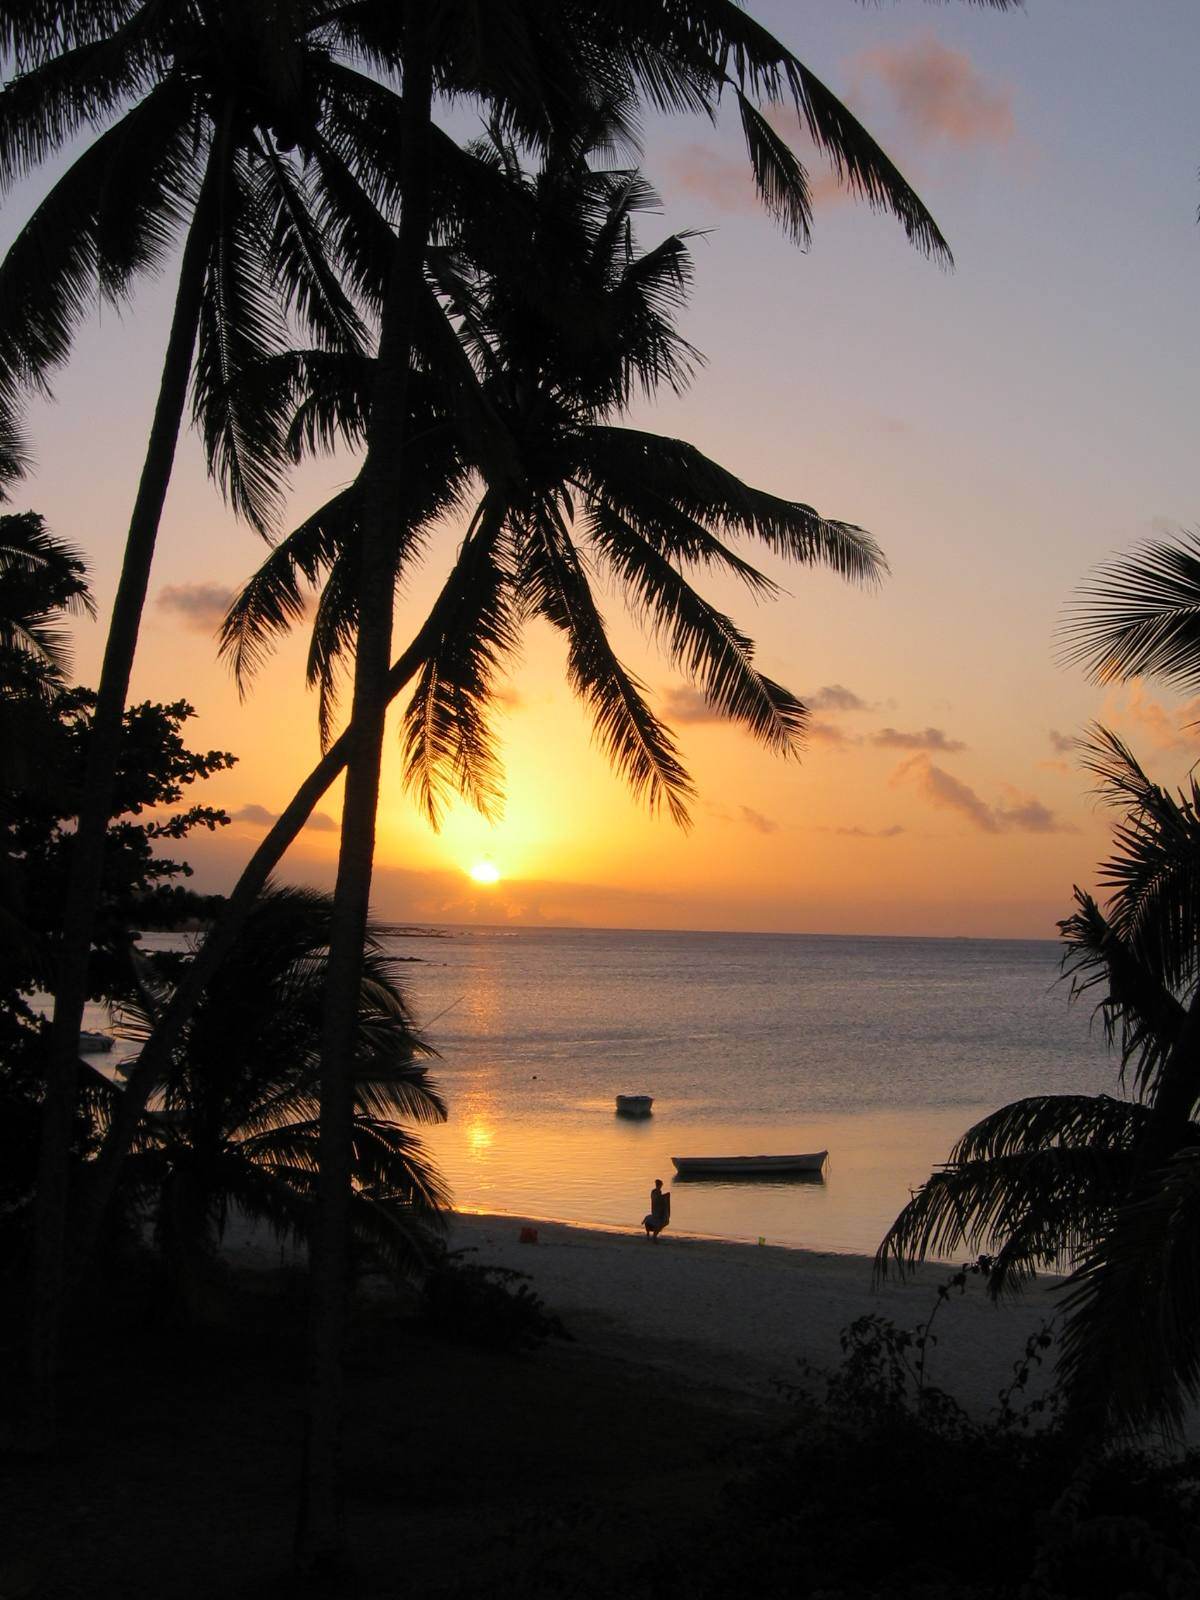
(208, 116)
(562, 340)
(1108, 1186)
(237, 1122)
(536, 67)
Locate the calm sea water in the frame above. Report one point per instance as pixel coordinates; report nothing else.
(881, 1050)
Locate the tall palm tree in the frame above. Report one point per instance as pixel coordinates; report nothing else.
(201, 111)
(237, 1122)
(535, 66)
(1108, 1187)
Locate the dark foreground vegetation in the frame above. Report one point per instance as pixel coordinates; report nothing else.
(489, 1456)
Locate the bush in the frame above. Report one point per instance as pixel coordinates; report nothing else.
(492, 1307)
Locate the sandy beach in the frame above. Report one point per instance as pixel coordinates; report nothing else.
(740, 1316)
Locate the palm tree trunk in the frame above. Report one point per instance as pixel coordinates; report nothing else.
(87, 853)
(320, 1534)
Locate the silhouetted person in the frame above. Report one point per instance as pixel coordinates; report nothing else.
(659, 1213)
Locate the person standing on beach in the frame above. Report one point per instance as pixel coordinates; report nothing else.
(659, 1213)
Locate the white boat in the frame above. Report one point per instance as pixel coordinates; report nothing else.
(90, 1043)
(635, 1105)
(747, 1166)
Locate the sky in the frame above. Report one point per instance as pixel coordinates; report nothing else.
(999, 428)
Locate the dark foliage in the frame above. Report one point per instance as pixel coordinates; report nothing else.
(490, 1307)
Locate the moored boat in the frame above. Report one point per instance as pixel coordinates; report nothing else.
(635, 1105)
(748, 1166)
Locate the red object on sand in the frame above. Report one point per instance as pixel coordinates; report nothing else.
(528, 1236)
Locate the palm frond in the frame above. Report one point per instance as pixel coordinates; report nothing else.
(241, 324)
(1129, 1346)
(701, 641)
(448, 743)
(1153, 874)
(623, 461)
(554, 585)
(1140, 616)
(1142, 1018)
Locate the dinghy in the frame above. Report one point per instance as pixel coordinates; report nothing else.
(747, 1166)
(635, 1105)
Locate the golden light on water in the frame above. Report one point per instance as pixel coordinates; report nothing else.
(485, 872)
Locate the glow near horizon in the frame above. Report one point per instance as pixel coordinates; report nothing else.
(999, 430)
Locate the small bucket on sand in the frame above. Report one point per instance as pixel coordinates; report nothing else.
(527, 1236)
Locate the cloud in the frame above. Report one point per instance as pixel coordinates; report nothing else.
(1151, 720)
(944, 791)
(682, 703)
(921, 739)
(1064, 743)
(1053, 766)
(200, 606)
(1020, 813)
(868, 833)
(836, 697)
(259, 817)
(938, 94)
(726, 182)
(1028, 815)
(757, 821)
(830, 733)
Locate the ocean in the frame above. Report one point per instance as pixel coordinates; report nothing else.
(881, 1050)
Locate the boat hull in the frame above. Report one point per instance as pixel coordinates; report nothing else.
(811, 1164)
(635, 1105)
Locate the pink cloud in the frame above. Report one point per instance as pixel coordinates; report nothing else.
(727, 182)
(938, 94)
(1019, 813)
(944, 791)
(1140, 714)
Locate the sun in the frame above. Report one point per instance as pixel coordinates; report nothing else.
(485, 872)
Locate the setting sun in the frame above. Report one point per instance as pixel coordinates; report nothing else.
(485, 872)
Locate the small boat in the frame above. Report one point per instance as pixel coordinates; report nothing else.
(90, 1043)
(635, 1105)
(747, 1166)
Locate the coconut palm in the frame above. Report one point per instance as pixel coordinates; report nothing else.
(562, 340)
(237, 1124)
(198, 111)
(1106, 1186)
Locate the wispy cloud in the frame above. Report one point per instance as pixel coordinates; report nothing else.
(682, 703)
(1064, 743)
(257, 816)
(938, 94)
(757, 821)
(200, 606)
(829, 733)
(1019, 813)
(918, 739)
(893, 832)
(725, 182)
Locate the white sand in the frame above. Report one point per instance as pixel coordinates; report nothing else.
(740, 1315)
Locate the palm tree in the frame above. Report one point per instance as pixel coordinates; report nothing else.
(1109, 1187)
(237, 1124)
(535, 67)
(203, 111)
(561, 341)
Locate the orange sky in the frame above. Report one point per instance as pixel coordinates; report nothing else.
(999, 430)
